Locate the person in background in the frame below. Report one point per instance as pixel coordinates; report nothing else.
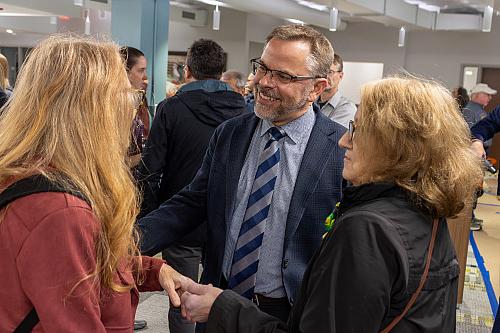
(249, 93)
(480, 97)
(473, 112)
(5, 89)
(171, 89)
(71, 257)
(266, 181)
(4, 76)
(389, 224)
(236, 80)
(461, 96)
(332, 103)
(174, 152)
(136, 65)
(484, 130)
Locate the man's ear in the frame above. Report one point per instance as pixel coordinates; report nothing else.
(319, 87)
(187, 72)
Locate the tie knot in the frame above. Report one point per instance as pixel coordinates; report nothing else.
(276, 134)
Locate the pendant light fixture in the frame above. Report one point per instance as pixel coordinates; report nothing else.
(334, 15)
(487, 18)
(402, 35)
(216, 18)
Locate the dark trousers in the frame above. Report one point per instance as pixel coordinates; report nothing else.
(185, 260)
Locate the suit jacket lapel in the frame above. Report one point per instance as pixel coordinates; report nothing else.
(238, 148)
(316, 155)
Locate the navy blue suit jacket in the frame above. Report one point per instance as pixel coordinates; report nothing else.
(211, 197)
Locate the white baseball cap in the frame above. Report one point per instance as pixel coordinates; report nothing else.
(484, 88)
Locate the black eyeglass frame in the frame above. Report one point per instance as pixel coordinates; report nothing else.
(351, 129)
(290, 78)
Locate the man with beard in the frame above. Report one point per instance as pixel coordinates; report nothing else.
(268, 181)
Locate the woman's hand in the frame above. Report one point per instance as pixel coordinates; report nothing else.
(171, 281)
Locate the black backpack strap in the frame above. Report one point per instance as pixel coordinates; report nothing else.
(31, 185)
(26, 186)
(28, 323)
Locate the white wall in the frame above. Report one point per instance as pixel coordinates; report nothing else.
(436, 54)
(231, 36)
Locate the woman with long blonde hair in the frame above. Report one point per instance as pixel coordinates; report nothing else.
(71, 255)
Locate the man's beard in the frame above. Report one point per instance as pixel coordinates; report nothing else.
(287, 105)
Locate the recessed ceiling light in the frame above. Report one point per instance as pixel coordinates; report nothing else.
(213, 3)
(9, 31)
(295, 21)
(312, 5)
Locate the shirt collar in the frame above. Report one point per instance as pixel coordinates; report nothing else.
(334, 101)
(297, 129)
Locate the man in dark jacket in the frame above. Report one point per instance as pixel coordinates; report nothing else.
(268, 179)
(174, 152)
(484, 130)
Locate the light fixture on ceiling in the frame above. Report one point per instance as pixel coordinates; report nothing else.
(423, 5)
(312, 5)
(87, 22)
(9, 31)
(401, 38)
(213, 3)
(216, 19)
(334, 15)
(78, 3)
(295, 21)
(487, 18)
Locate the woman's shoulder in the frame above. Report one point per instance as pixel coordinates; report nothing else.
(58, 208)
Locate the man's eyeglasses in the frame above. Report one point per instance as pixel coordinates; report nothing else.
(259, 69)
(351, 129)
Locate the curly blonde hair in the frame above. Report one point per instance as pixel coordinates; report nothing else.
(418, 139)
(70, 120)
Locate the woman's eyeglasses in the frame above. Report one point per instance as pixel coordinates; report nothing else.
(351, 130)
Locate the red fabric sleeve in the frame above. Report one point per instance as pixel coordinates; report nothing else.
(151, 271)
(59, 252)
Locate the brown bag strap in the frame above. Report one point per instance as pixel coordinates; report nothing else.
(413, 298)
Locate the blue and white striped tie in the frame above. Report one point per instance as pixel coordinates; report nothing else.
(246, 254)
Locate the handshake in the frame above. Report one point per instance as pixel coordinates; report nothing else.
(195, 299)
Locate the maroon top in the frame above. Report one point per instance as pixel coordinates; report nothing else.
(47, 244)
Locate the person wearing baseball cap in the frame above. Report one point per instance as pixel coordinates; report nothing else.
(481, 95)
(473, 112)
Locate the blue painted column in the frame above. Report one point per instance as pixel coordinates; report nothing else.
(143, 24)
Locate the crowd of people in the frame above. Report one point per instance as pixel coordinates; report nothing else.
(308, 213)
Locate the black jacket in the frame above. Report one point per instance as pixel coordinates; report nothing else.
(180, 133)
(363, 275)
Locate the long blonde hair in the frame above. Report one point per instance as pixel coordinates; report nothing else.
(418, 139)
(4, 72)
(70, 119)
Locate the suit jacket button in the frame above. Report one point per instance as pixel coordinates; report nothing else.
(285, 263)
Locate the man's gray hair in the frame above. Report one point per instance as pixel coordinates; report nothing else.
(321, 57)
(235, 75)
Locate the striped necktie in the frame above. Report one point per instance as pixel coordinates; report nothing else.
(246, 254)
